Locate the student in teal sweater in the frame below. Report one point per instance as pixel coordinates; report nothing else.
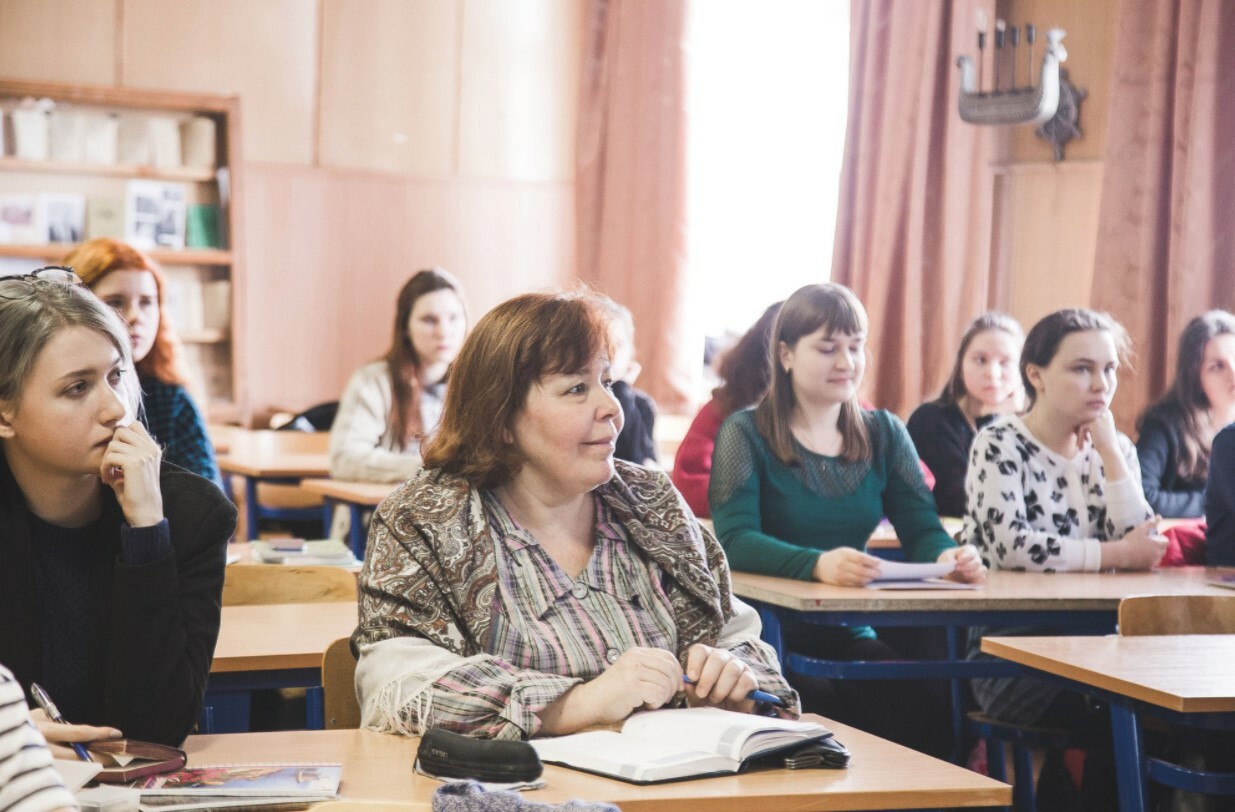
(800, 482)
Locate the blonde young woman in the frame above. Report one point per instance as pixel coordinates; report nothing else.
(113, 559)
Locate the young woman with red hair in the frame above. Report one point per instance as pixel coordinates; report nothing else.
(129, 281)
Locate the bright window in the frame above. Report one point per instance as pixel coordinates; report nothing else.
(767, 100)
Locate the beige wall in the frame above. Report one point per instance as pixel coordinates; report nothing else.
(379, 136)
(1045, 231)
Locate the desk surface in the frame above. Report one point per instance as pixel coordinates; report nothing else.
(370, 494)
(378, 767)
(1186, 673)
(1004, 591)
(261, 464)
(281, 635)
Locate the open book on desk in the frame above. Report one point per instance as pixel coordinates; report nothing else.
(666, 745)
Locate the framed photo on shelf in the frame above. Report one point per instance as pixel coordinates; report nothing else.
(19, 220)
(62, 218)
(155, 214)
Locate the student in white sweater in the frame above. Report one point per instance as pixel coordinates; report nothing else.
(393, 403)
(1059, 489)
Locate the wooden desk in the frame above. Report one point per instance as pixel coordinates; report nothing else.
(1079, 602)
(882, 775)
(281, 457)
(271, 646)
(358, 496)
(1185, 674)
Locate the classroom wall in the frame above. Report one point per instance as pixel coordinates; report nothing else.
(1046, 213)
(379, 136)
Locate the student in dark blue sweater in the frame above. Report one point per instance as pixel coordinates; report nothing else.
(113, 559)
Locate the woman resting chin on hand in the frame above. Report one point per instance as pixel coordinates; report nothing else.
(113, 560)
(525, 583)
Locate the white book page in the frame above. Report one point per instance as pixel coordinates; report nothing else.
(635, 759)
(728, 733)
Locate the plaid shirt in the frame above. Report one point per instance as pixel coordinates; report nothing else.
(466, 622)
(172, 419)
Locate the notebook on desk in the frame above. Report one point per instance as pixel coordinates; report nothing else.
(1225, 579)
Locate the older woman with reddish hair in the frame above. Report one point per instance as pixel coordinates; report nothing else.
(525, 582)
(130, 282)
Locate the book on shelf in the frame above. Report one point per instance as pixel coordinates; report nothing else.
(666, 745)
(327, 552)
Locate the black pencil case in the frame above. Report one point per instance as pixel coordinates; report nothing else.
(443, 754)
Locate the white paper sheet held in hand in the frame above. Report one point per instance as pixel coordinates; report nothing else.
(911, 575)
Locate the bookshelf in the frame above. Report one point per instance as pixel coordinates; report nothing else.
(203, 282)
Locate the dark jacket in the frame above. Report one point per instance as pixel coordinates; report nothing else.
(943, 438)
(1157, 448)
(155, 624)
(1220, 501)
(636, 442)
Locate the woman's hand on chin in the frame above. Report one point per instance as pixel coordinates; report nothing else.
(131, 468)
(968, 564)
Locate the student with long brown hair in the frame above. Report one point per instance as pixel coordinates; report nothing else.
(129, 281)
(745, 373)
(984, 384)
(392, 403)
(1177, 432)
(800, 482)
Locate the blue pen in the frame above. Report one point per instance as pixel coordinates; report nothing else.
(53, 713)
(758, 696)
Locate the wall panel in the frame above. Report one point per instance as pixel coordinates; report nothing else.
(328, 292)
(1052, 219)
(58, 40)
(519, 88)
(266, 52)
(390, 75)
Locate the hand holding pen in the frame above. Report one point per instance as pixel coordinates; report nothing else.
(717, 677)
(57, 730)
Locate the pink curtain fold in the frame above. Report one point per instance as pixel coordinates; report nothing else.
(1166, 250)
(631, 181)
(913, 220)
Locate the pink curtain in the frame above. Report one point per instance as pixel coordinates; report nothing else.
(1166, 249)
(630, 181)
(913, 221)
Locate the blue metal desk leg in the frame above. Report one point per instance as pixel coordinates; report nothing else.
(772, 634)
(355, 530)
(250, 508)
(1129, 756)
(327, 516)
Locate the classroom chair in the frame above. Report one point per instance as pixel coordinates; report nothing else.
(334, 706)
(256, 584)
(1144, 615)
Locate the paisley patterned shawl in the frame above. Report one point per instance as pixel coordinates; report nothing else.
(431, 572)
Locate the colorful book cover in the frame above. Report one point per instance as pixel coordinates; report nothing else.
(247, 779)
